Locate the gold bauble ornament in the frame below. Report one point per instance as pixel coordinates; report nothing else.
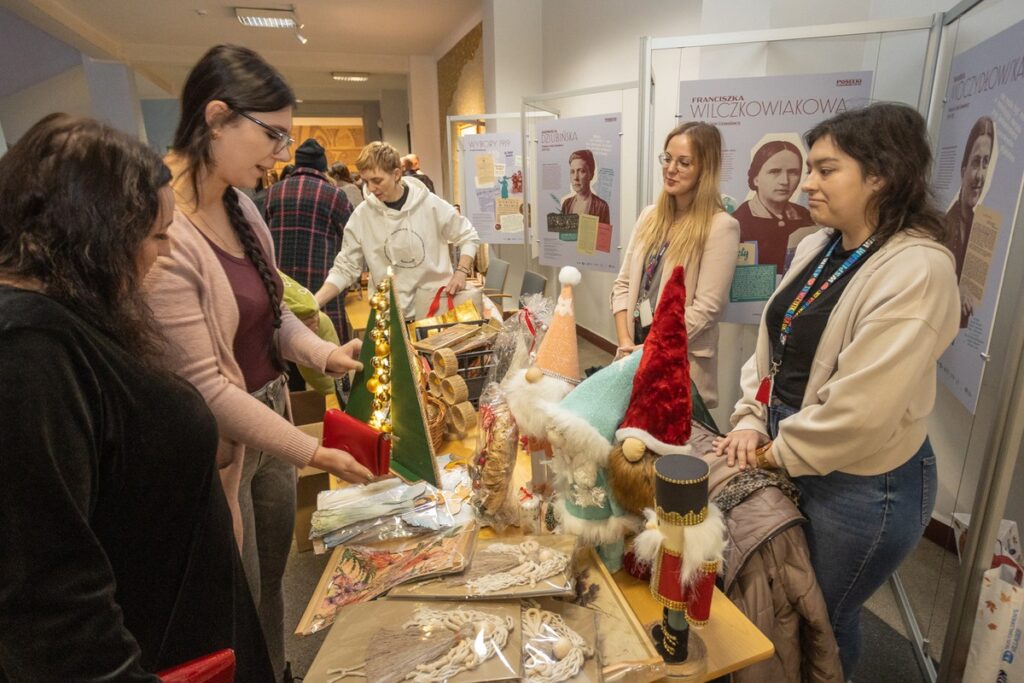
(376, 360)
(377, 404)
(384, 378)
(382, 348)
(381, 304)
(384, 394)
(382, 286)
(386, 427)
(372, 384)
(382, 324)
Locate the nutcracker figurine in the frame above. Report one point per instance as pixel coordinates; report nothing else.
(683, 543)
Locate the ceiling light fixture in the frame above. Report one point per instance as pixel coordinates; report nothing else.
(257, 17)
(350, 77)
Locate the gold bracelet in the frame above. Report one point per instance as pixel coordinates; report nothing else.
(762, 459)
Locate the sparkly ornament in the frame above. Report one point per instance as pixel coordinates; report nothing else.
(376, 361)
(372, 384)
(384, 378)
(382, 348)
(386, 427)
(382, 324)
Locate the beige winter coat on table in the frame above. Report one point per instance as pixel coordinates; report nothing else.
(768, 576)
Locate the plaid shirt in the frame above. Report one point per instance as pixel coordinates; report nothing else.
(307, 214)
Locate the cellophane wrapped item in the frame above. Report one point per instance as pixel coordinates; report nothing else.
(490, 469)
(520, 337)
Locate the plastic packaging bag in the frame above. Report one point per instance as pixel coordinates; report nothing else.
(995, 641)
(418, 504)
(520, 337)
(385, 640)
(559, 643)
(357, 574)
(505, 568)
(490, 470)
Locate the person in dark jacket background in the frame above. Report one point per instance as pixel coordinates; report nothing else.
(306, 214)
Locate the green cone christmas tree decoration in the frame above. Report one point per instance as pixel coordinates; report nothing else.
(385, 394)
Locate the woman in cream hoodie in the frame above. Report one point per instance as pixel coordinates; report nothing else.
(842, 380)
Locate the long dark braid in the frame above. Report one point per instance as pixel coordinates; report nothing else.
(253, 251)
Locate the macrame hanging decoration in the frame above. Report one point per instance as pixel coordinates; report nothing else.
(552, 652)
(434, 646)
(530, 563)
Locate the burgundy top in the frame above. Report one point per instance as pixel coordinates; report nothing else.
(255, 334)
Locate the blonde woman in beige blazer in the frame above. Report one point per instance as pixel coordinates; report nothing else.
(688, 226)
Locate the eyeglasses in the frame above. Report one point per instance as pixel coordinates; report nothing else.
(283, 140)
(666, 161)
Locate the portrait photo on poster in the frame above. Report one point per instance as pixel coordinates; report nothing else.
(770, 216)
(578, 160)
(978, 162)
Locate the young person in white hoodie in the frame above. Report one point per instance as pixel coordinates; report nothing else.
(404, 226)
(842, 380)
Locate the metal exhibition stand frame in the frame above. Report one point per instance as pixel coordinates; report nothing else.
(997, 434)
(468, 118)
(535, 102)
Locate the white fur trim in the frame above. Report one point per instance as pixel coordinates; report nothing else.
(530, 403)
(704, 542)
(578, 441)
(647, 544)
(656, 445)
(595, 532)
(569, 275)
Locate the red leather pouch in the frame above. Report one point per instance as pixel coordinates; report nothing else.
(218, 667)
(370, 447)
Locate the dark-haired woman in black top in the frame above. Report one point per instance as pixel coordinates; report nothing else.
(116, 554)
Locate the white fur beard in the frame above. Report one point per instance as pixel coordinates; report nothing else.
(530, 403)
(704, 542)
(647, 544)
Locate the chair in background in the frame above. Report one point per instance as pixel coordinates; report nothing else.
(533, 283)
(497, 274)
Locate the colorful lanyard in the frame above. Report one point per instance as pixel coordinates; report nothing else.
(801, 304)
(652, 267)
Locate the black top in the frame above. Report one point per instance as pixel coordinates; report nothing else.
(400, 202)
(118, 557)
(791, 379)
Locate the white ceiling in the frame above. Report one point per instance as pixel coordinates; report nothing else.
(161, 39)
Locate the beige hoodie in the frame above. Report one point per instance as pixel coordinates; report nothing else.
(872, 383)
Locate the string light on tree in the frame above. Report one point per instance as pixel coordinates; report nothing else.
(379, 384)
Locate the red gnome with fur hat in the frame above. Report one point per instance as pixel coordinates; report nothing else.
(657, 421)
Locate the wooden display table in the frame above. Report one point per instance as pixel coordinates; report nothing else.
(732, 641)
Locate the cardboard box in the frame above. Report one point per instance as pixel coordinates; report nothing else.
(308, 407)
(311, 482)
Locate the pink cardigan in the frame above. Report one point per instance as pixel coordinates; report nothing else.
(195, 309)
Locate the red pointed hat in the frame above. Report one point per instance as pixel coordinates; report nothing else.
(660, 406)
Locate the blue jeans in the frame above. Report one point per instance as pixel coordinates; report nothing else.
(859, 530)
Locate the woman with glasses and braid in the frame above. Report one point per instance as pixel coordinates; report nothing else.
(217, 298)
(689, 227)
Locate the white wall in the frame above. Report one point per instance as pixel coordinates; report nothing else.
(424, 119)
(394, 113)
(513, 67)
(114, 98)
(67, 92)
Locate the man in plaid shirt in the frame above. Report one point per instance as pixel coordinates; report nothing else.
(307, 214)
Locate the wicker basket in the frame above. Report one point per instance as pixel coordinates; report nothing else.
(436, 411)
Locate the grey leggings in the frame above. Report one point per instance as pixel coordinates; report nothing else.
(267, 502)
